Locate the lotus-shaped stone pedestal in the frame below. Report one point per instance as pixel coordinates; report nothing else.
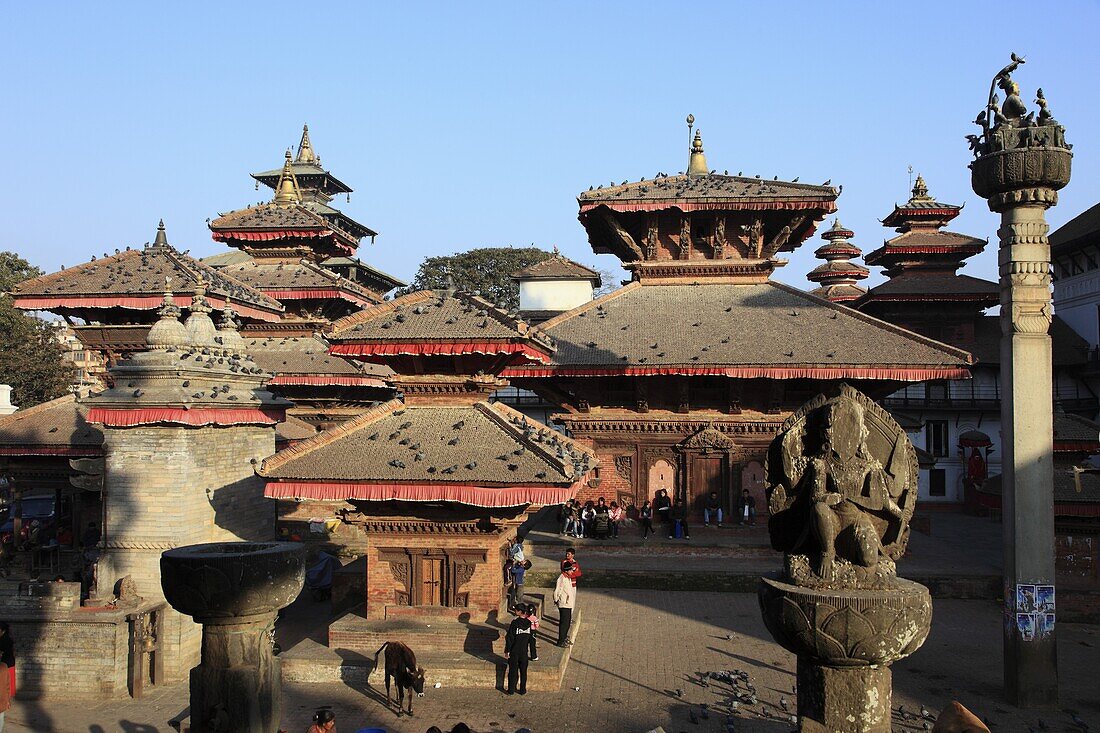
(235, 590)
(845, 641)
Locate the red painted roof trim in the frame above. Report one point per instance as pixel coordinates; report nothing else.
(451, 348)
(481, 496)
(198, 416)
(49, 450)
(139, 302)
(809, 372)
(326, 380)
(311, 293)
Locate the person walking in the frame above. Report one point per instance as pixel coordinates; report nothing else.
(748, 504)
(565, 598)
(517, 646)
(515, 591)
(645, 514)
(712, 507)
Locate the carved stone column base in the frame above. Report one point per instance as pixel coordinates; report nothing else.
(238, 683)
(848, 699)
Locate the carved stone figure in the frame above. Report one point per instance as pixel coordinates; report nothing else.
(842, 488)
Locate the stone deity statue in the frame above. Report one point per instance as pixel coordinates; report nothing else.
(842, 489)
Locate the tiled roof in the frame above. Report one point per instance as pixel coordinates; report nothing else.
(479, 444)
(934, 283)
(709, 188)
(142, 272)
(1069, 349)
(300, 275)
(954, 243)
(293, 428)
(837, 293)
(304, 216)
(58, 423)
(1070, 428)
(1065, 487)
(558, 267)
(434, 315)
(762, 324)
(307, 171)
(387, 281)
(1085, 224)
(307, 355)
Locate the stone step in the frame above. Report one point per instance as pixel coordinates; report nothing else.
(357, 634)
(313, 663)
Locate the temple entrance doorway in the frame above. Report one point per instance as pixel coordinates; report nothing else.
(662, 475)
(708, 473)
(431, 581)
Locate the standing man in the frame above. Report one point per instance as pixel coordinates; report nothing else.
(565, 597)
(749, 504)
(712, 506)
(517, 646)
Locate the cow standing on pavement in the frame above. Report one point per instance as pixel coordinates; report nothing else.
(401, 666)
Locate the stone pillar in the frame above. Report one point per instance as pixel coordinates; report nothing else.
(6, 407)
(1021, 161)
(235, 590)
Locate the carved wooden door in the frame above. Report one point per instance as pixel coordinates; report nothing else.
(431, 581)
(708, 473)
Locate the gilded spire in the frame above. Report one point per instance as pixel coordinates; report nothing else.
(305, 148)
(697, 163)
(920, 190)
(162, 236)
(287, 192)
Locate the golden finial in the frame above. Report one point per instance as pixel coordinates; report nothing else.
(920, 189)
(305, 149)
(287, 192)
(162, 236)
(697, 163)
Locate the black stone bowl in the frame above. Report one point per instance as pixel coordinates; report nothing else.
(221, 580)
(1018, 170)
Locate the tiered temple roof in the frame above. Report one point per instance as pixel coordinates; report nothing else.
(736, 330)
(133, 281)
(702, 222)
(837, 278)
(444, 441)
(317, 184)
(923, 248)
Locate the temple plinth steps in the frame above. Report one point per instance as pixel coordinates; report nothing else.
(435, 633)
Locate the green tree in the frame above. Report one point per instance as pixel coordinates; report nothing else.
(486, 270)
(30, 353)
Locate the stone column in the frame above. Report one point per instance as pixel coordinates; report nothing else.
(235, 590)
(1021, 161)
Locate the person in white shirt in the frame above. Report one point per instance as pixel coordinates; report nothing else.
(565, 597)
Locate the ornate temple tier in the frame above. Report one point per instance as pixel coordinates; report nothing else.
(316, 183)
(837, 278)
(702, 215)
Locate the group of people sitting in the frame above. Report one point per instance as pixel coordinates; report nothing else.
(597, 520)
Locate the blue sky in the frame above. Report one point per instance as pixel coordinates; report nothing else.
(463, 125)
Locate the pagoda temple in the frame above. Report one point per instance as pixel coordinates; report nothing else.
(926, 293)
(432, 486)
(837, 278)
(681, 379)
(112, 301)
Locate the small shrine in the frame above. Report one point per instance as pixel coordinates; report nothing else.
(432, 485)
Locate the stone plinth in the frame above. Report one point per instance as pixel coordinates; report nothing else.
(235, 590)
(845, 640)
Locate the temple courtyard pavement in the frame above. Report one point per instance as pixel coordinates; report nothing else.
(639, 643)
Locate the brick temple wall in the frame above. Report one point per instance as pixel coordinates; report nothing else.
(485, 588)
